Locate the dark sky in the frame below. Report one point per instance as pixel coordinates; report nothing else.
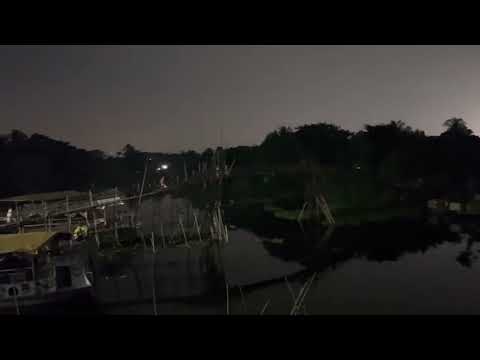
(172, 98)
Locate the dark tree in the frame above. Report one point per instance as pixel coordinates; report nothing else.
(456, 127)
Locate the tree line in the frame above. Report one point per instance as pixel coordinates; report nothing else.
(383, 156)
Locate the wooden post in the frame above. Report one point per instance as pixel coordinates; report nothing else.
(322, 203)
(226, 234)
(45, 212)
(153, 243)
(115, 224)
(69, 218)
(94, 218)
(154, 292)
(163, 235)
(17, 217)
(265, 307)
(197, 226)
(143, 183)
(185, 171)
(34, 278)
(87, 222)
(243, 300)
(212, 234)
(183, 230)
(300, 216)
(228, 296)
(221, 230)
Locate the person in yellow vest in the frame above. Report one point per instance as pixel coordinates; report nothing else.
(80, 232)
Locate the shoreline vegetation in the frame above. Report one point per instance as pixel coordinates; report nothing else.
(351, 216)
(381, 172)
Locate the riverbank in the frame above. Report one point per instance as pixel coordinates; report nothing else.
(351, 216)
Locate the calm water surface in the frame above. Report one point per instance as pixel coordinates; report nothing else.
(400, 269)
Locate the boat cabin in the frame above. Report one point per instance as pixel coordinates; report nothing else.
(35, 265)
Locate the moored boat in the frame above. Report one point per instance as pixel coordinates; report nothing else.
(42, 267)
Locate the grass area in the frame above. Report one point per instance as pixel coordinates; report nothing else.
(351, 216)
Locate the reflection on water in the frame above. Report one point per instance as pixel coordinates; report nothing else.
(399, 267)
(133, 280)
(177, 272)
(248, 261)
(429, 283)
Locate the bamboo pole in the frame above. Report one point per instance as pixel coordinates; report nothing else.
(163, 235)
(212, 233)
(115, 231)
(154, 292)
(300, 215)
(87, 222)
(265, 307)
(185, 171)
(297, 299)
(228, 296)
(84, 208)
(94, 218)
(244, 304)
(69, 217)
(302, 295)
(17, 213)
(115, 223)
(226, 234)
(183, 231)
(152, 240)
(69, 220)
(322, 203)
(18, 221)
(45, 212)
(143, 182)
(290, 289)
(197, 226)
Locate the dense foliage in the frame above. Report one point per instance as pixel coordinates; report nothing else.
(350, 167)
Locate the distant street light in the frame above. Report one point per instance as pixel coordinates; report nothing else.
(162, 167)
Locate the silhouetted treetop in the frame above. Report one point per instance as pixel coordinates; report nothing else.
(457, 127)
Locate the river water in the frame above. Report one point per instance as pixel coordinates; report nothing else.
(395, 268)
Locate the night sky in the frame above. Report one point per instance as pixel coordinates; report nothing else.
(173, 98)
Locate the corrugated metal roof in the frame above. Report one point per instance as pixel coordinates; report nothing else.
(26, 243)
